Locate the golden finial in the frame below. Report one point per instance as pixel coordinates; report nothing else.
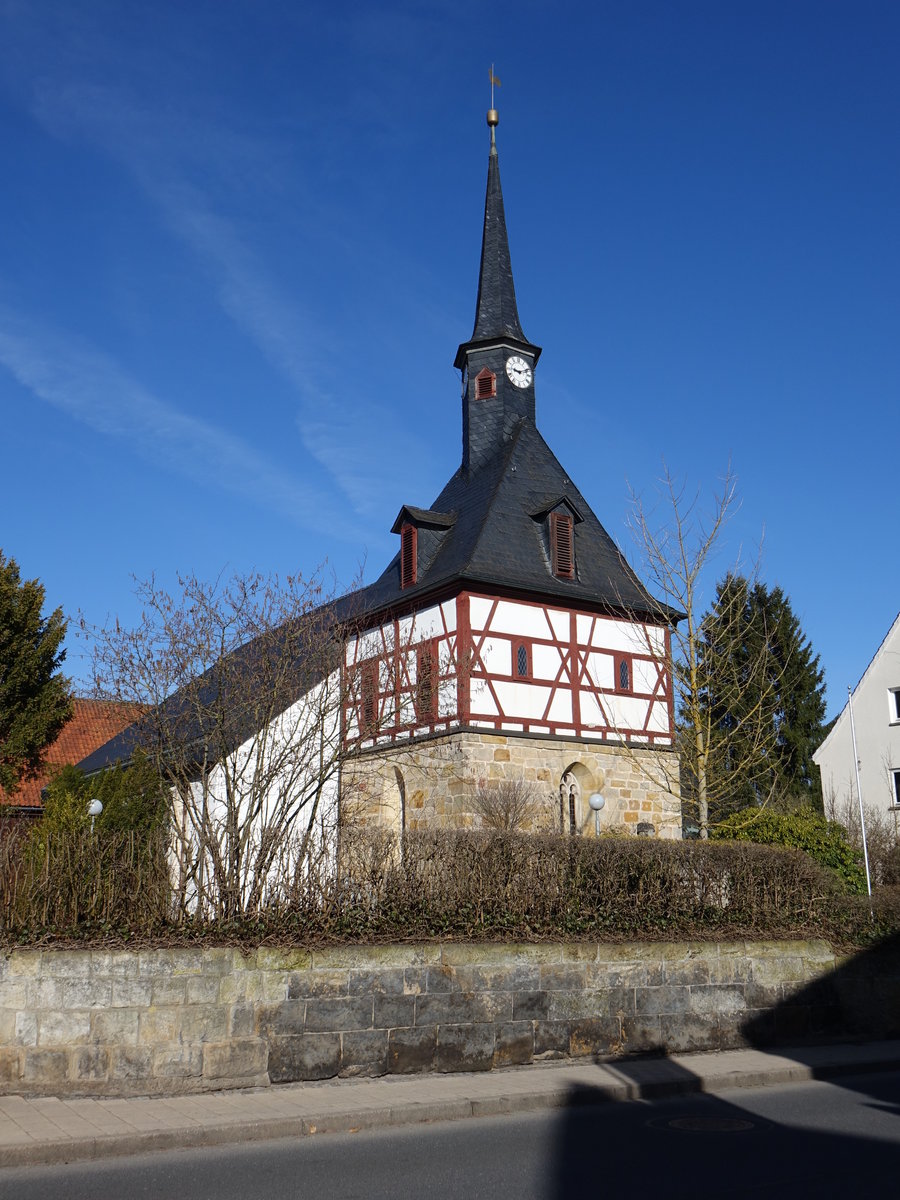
(493, 117)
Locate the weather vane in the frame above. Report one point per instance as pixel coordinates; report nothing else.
(493, 117)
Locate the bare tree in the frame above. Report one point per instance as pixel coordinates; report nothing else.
(725, 685)
(511, 804)
(245, 700)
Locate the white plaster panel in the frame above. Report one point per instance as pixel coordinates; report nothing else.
(545, 662)
(428, 624)
(479, 611)
(447, 698)
(591, 712)
(601, 668)
(522, 699)
(496, 654)
(627, 712)
(659, 718)
(482, 700)
(449, 610)
(561, 706)
(522, 619)
(644, 676)
(560, 622)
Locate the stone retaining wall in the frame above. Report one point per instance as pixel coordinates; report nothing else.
(121, 1022)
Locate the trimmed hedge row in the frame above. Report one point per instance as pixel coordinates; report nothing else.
(447, 884)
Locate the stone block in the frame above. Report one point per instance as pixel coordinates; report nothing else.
(281, 1020)
(168, 990)
(237, 1058)
(115, 1025)
(131, 993)
(683, 1033)
(159, 1025)
(177, 1061)
(390, 981)
(715, 1000)
(13, 993)
(86, 993)
(441, 978)
(114, 964)
(791, 1024)
(520, 977)
(651, 1001)
(26, 1029)
(642, 1035)
(63, 1028)
(205, 1022)
(562, 977)
(10, 1064)
(595, 1035)
(586, 1004)
(464, 1048)
(200, 989)
(513, 1043)
(240, 986)
(242, 1020)
(7, 1025)
(270, 959)
(551, 1039)
(777, 968)
(453, 1008)
(24, 964)
(66, 964)
(218, 960)
(411, 1050)
(689, 970)
(304, 1056)
(90, 1064)
(156, 964)
(354, 1012)
(531, 1006)
(394, 1011)
(130, 1063)
(364, 1052)
(45, 1067)
(415, 980)
(319, 983)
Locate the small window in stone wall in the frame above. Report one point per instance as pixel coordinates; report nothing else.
(623, 675)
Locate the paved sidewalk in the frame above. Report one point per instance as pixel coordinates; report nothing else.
(53, 1130)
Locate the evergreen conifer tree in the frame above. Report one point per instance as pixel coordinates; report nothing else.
(34, 698)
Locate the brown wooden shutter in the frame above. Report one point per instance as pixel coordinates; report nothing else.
(426, 689)
(485, 384)
(562, 543)
(368, 716)
(408, 547)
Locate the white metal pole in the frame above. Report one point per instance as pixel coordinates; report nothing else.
(862, 815)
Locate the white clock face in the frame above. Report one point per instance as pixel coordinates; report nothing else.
(519, 371)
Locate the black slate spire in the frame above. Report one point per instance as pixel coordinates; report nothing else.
(496, 312)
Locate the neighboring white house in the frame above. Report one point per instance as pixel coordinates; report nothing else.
(876, 715)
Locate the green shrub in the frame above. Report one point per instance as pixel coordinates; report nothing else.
(803, 829)
(133, 799)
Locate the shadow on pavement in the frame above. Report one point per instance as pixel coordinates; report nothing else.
(705, 1146)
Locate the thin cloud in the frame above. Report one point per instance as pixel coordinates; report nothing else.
(90, 387)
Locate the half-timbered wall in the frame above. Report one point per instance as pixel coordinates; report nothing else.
(511, 666)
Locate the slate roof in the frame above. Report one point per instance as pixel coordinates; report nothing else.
(499, 540)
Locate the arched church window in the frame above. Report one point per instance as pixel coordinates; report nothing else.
(569, 797)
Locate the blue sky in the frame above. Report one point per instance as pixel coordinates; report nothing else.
(239, 246)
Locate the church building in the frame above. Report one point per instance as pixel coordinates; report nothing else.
(509, 640)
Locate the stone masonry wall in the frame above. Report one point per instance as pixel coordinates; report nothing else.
(166, 1021)
(438, 777)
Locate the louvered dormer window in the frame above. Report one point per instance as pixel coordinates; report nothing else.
(408, 546)
(562, 545)
(485, 384)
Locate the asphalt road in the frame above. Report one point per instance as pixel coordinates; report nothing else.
(797, 1141)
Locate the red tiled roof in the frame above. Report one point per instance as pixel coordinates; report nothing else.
(92, 724)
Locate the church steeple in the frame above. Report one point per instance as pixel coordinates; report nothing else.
(497, 361)
(496, 311)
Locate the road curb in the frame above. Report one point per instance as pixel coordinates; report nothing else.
(546, 1094)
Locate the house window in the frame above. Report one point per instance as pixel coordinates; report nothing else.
(562, 545)
(408, 541)
(895, 780)
(521, 660)
(623, 675)
(894, 698)
(426, 683)
(368, 705)
(485, 384)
